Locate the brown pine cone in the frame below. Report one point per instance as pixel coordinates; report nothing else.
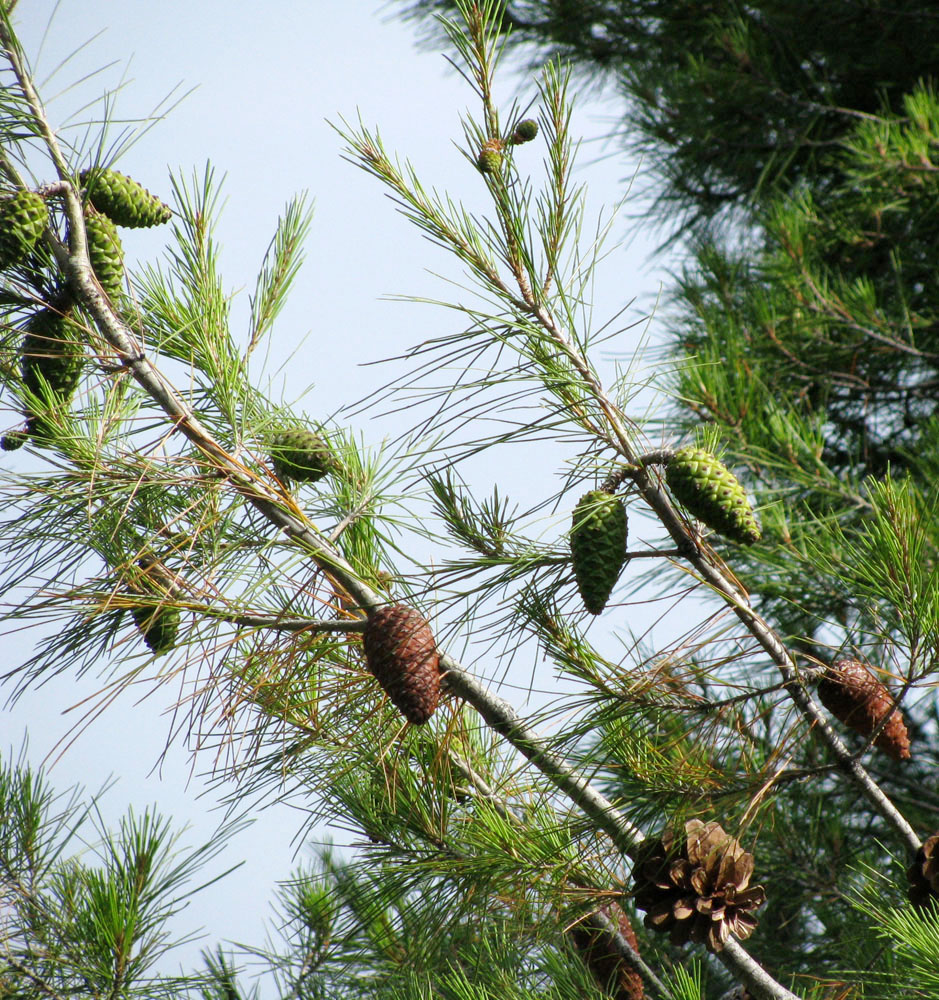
(853, 695)
(611, 970)
(696, 887)
(401, 652)
(923, 874)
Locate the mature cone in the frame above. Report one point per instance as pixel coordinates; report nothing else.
(712, 494)
(612, 972)
(923, 874)
(854, 695)
(22, 221)
(525, 131)
(489, 160)
(299, 454)
(401, 652)
(598, 546)
(159, 625)
(51, 356)
(696, 888)
(105, 253)
(123, 200)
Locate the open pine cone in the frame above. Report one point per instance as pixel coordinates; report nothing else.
(923, 874)
(697, 887)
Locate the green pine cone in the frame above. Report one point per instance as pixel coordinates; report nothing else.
(299, 454)
(712, 494)
(51, 356)
(489, 161)
(159, 626)
(598, 546)
(525, 131)
(22, 221)
(13, 440)
(105, 253)
(124, 201)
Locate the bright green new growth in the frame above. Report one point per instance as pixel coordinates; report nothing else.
(51, 357)
(105, 253)
(123, 200)
(22, 221)
(301, 455)
(159, 626)
(712, 494)
(598, 547)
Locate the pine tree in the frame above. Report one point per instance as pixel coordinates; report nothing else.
(668, 788)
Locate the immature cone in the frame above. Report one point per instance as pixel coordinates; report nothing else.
(854, 695)
(299, 454)
(489, 160)
(525, 131)
(697, 887)
(612, 972)
(159, 626)
(598, 546)
(923, 874)
(51, 356)
(401, 652)
(123, 200)
(105, 253)
(22, 221)
(13, 440)
(712, 494)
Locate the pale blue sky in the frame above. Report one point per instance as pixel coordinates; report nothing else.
(266, 77)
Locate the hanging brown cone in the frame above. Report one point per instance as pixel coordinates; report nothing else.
(696, 887)
(853, 695)
(923, 874)
(401, 652)
(611, 970)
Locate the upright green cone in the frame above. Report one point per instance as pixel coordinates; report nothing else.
(301, 455)
(105, 253)
(598, 546)
(22, 221)
(124, 201)
(712, 494)
(158, 625)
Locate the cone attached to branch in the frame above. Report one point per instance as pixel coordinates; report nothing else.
(23, 218)
(598, 546)
(489, 160)
(105, 253)
(923, 874)
(159, 625)
(124, 201)
(712, 494)
(611, 970)
(401, 652)
(525, 131)
(696, 886)
(853, 695)
(51, 360)
(299, 454)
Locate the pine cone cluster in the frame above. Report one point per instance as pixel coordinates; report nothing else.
(105, 253)
(401, 653)
(696, 887)
(612, 972)
(23, 218)
(923, 874)
(159, 625)
(299, 454)
(712, 493)
(598, 547)
(124, 201)
(853, 695)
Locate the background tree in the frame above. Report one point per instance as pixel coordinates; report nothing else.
(480, 875)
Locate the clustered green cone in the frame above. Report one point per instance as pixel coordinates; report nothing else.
(51, 356)
(123, 200)
(712, 494)
(489, 161)
(598, 546)
(525, 131)
(299, 454)
(13, 440)
(105, 253)
(22, 221)
(159, 626)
